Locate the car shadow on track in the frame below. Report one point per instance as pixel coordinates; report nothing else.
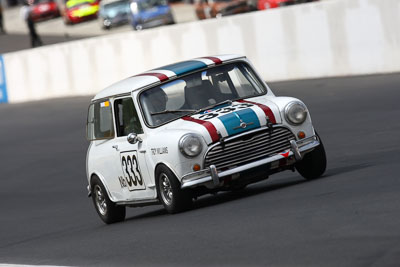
(346, 169)
(227, 196)
(253, 190)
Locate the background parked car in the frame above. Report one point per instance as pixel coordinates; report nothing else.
(115, 13)
(44, 9)
(80, 10)
(267, 4)
(150, 13)
(216, 8)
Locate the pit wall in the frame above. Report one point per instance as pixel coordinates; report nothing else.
(320, 39)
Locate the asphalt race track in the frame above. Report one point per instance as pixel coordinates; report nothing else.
(349, 217)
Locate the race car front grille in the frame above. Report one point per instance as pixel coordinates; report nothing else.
(248, 148)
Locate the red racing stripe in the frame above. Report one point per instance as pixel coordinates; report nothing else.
(160, 76)
(216, 60)
(268, 112)
(209, 126)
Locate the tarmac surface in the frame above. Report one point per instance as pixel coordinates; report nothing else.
(349, 217)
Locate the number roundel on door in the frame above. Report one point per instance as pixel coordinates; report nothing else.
(131, 171)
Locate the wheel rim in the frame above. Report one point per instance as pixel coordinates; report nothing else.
(100, 200)
(166, 189)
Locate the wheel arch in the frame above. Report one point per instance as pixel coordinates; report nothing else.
(102, 180)
(158, 165)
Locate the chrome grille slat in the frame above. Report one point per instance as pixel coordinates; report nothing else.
(251, 143)
(253, 148)
(237, 163)
(263, 135)
(249, 147)
(242, 158)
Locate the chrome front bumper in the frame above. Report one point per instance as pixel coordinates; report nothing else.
(297, 150)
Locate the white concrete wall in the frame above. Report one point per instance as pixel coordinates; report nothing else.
(321, 39)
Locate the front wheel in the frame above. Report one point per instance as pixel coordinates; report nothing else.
(313, 164)
(108, 211)
(169, 191)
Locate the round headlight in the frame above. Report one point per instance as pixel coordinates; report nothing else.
(295, 113)
(190, 145)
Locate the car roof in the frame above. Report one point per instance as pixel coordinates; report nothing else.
(162, 74)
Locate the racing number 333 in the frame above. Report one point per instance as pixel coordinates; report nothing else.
(130, 168)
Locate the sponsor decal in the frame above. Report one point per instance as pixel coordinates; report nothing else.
(105, 104)
(159, 151)
(3, 84)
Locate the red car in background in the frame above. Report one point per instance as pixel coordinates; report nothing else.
(80, 10)
(217, 8)
(44, 9)
(267, 4)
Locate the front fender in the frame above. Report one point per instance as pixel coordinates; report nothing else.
(166, 151)
(306, 126)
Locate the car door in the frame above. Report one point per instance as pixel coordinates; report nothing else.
(101, 153)
(134, 177)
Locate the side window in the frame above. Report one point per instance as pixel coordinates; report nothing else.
(99, 122)
(126, 117)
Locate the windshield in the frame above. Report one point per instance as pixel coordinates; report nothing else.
(199, 90)
(113, 9)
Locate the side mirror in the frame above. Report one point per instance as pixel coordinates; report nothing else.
(133, 138)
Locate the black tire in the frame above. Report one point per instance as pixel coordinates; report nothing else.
(108, 211)
(169, 191)
(313, 164)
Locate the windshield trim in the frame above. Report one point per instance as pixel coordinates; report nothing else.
(238, 60)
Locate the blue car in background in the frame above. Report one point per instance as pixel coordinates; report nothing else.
(150, 13)
(114, 13)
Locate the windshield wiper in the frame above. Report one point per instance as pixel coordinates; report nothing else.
(228, 101)
(172, 111)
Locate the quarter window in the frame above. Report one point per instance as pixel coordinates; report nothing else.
(99, 122)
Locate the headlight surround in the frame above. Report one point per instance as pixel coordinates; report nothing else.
(296, 113)
(190, 145)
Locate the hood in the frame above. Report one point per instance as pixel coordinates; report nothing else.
(230, 119)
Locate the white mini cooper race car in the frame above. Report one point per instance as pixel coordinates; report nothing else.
(171, 134)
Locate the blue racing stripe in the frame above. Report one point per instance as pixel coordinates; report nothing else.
(232, 121)
(184, 67)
